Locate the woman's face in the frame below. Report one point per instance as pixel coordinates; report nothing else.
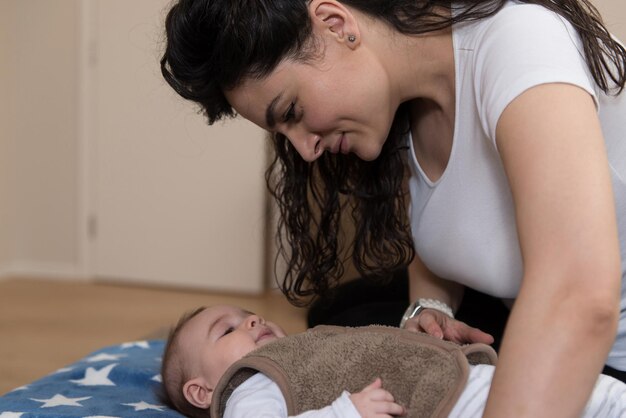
(340, 102)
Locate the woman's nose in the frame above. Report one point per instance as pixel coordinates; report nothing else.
(254, 321)
(307, 144)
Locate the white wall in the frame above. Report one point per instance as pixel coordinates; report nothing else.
(614, 15)
(7, 72)
(39, 135)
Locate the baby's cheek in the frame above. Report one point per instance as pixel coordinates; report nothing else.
(241, 350)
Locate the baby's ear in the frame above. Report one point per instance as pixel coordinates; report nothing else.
(198, 393)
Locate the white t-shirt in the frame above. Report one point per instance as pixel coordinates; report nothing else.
(260, 397)
(463, 224)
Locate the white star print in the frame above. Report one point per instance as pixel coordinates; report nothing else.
(96, 416)
(140, 344)
(157, 378)
(60, 400)
(104, 357)
(63, 370)
(8, 414)
(141, 406)
(20, 388)
(95, 377)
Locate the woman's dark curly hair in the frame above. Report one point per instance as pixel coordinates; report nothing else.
(213, 45)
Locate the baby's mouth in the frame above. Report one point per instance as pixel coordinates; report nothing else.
(265, 335)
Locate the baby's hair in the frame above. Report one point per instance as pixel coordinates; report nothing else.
(175, 372)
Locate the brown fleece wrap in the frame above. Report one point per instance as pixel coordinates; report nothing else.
(424, 374)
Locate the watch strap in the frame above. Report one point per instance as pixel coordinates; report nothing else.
(420, 304)
(438, 305)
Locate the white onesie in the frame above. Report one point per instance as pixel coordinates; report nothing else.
(260, 397)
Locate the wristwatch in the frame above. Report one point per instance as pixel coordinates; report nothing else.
(412, 311)
(420, 304)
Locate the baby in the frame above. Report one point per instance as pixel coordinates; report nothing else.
(203, 346)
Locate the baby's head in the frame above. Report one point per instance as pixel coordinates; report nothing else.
(202, 346)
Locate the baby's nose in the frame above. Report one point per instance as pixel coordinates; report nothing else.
(255, 321)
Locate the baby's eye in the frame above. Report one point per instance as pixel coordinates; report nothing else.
(228, 331)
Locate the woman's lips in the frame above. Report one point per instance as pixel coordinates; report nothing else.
(341, 145)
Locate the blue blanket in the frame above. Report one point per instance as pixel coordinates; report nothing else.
(115, 382)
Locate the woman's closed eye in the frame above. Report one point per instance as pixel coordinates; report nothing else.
(290, 114)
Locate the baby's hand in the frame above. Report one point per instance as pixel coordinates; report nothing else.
(376, 402)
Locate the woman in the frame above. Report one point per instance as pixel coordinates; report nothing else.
(504, 120)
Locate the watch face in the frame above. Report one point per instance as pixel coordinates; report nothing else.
(410, 312)
(413, 310)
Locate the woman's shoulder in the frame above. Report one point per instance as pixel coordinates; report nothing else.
(521, 46)
(518, 28)
(523, 14)
(516, 19)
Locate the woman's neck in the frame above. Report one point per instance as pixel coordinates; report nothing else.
(426, 70)
(417, 66)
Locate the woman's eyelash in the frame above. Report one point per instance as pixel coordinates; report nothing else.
(290, 113)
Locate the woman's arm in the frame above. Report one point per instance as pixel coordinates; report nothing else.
(424, 284)
(553, 152)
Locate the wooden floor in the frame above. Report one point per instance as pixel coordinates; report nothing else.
(45, 325)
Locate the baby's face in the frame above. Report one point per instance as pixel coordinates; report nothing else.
(220, 335)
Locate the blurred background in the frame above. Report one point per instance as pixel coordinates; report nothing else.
(105, 172)
(119, 207)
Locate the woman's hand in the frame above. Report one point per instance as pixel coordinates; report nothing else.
(440, 325)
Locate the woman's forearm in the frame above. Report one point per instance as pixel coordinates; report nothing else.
(554, 348)
(424, 284)
(565, 317)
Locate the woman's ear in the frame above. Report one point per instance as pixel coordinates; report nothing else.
(332, 16)
(198, 393)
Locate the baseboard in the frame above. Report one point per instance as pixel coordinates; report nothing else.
(53, 271)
